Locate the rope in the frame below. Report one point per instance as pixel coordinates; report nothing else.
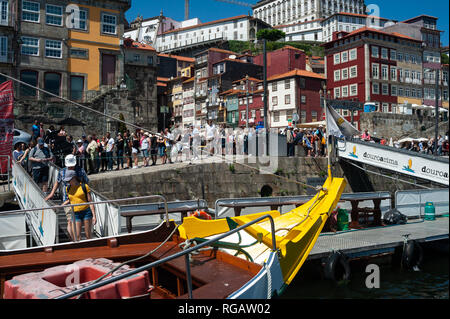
(79, 105)
(145, 129)
(135, 259)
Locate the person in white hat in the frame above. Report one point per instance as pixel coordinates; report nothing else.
(71, 164)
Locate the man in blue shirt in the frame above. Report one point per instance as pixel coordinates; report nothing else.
(36, 130)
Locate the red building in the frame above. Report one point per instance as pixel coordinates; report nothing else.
(283, 60)
(368, 65)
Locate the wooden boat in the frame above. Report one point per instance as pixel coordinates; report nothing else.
(295, 233)
(270, 263)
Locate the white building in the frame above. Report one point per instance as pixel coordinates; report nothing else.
(301, 20)
(303, 31)
(281, 12)
(189, 103)
(348, 22)
(146, 30)
(242, 28)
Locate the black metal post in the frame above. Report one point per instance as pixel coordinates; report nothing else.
(266, 120)
(436, 129)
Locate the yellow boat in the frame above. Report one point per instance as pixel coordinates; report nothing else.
(295, 234)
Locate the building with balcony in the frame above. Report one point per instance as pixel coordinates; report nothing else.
(369, 65)
(424, 29)
(189, 103)
(294, 92)
(8, 40)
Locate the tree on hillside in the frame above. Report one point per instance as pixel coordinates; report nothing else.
(270, 35)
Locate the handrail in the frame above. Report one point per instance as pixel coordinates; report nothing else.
(169, 258)
(94, 203)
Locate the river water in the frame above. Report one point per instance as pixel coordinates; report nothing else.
(431, 282)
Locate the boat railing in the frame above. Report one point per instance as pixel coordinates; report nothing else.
(39, 222)
(184, 253)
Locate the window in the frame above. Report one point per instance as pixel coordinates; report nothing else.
(337, 75)
(393, 55)
(31, 78)
(79, 19)
(52, 82)
(393, 90)
(344, 57)
(400, 57)
(4, 12)
(337, 58)
(30, 11)
(337, 93)
(400, 91)
(385, 89)
(314, 116)
(274, 87)
(375, 71)
(276, 116)
(375, 53)
(354, 71)
(30, 46)
(287, 84)
(393, 73)
(303, 99)
(345, 74)
(384, 72)
(53, 49)
(353, 54)
(375, 88)
(150, 60)
(385, 107)
(79, 53)
(345, 91)
(354, 90)
(54, 15)
(287, 99)
(137, 58)
(384, 53)
(274, 100)
(109, 24)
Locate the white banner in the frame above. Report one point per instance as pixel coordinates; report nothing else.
(42, 222)
(408, 164)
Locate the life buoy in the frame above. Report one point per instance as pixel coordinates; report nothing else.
(201, 215)
(337, 267)
(412, 255)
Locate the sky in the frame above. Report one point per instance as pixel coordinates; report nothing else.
(209, 10)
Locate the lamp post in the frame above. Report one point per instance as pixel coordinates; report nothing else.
(247, 93)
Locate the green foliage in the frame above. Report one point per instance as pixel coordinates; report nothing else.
(232, 168)
(444, 59)
(270, 35)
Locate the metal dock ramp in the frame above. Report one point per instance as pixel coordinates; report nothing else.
(371, 241)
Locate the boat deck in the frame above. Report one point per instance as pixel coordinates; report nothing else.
(370, 241)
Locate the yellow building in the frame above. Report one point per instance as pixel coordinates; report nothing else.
(94, 40)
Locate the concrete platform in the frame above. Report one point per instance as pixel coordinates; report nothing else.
(366, 242)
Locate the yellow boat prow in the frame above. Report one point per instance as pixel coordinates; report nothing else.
(296, 231)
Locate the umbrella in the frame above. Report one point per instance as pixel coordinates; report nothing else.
(71, 121)
(408, 139)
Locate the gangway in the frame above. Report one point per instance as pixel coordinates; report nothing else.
(408, 163)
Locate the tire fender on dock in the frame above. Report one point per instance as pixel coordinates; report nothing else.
(412, 256)
(337, 267)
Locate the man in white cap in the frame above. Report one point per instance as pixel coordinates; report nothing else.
(71, 164)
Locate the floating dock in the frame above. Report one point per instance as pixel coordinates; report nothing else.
(379, 240)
